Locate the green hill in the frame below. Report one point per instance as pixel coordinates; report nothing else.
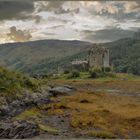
(13, 82)
(53, 66)
(24, 56)
(47, 56)
(125, 55)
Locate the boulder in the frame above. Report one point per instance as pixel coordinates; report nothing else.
(4, 109)
(60, 90)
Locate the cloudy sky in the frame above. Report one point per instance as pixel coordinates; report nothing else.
(94, 21)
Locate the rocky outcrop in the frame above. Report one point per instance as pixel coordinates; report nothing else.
(61, 90)
(27, 99)
(18, 130)
(23, 101)
(10, 108)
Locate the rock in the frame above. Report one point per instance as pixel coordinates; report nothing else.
(3, 106)
(125, 79)
(21, 103)
(60, 90)
(18, 130)
(27, 99)
(4, 110)
(3, 101)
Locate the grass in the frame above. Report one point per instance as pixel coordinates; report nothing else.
(49, 129)
(105, 77)
(36, 115)
(14, 82)
(114, 115)
(89, 110)
(88, 85)
(101, 134)
(29, 114)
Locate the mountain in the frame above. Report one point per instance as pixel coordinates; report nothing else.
(49, 55)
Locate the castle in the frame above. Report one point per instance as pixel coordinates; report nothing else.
(98, 56)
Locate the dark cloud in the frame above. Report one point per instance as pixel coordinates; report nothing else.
(106, 35)
(49, 34)
(56, 7)
(120, 11)
(15, 10)
(135, 29)
(122, 17)
(112, 13)
(55, 27)
(37, 18)
(18, 35)
(63, 11)
(103, 8)
(55, 19)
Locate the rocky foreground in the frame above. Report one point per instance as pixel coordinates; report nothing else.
(12, 128)
(73, 109)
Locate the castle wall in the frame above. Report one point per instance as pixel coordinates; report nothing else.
(99, 60)
(92, 59)
(106, 59)
(99, 57)
(95, 59)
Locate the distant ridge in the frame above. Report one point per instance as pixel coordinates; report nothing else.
(23, 56)
(42, 56)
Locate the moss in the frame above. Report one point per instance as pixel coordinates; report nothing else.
(82, 120)
(138, 134)
(101, 134)
(30, 114)
(55, 112)
(53, 109)
(48, 129)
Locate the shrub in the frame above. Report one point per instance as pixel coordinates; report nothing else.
(95, 72)
(97, 69)
(66, 71)
(110, 74)
(74, 74)
(107, 69)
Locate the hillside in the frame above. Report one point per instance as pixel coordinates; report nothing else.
(125, 55)
(13, 82)
(24, 56)
(16, 91)
(53, 66)
(47, 56)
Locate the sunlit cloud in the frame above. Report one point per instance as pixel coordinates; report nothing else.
(19, 35)
(84, 20)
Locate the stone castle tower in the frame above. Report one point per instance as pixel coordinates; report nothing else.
(98, 56)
